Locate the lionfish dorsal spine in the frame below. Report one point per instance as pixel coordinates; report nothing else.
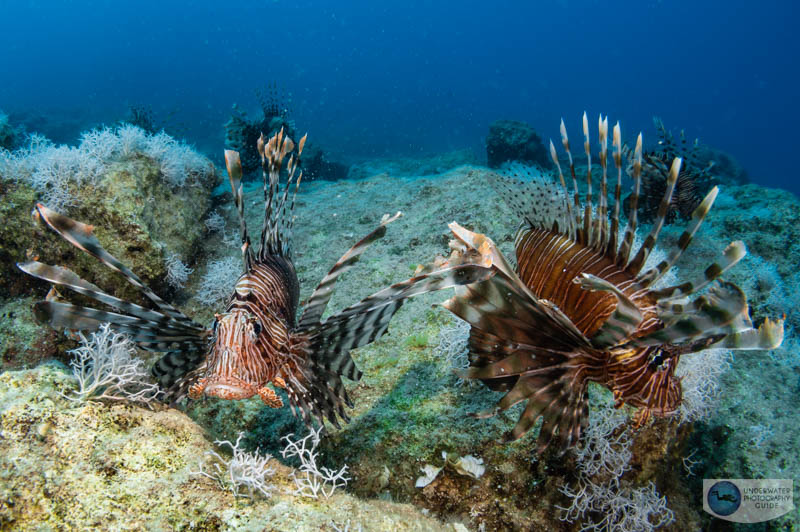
(601, 222)
(278, 211)
(635, 265)
(630, 227)
(233, 165)
(698, 215)
(617, 144)
(576, 198)
(587, 207)
(570, 222)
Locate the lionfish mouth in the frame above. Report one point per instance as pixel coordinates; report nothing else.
(229, 388)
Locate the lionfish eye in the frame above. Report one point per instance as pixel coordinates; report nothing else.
(256, 327)
(656, 360)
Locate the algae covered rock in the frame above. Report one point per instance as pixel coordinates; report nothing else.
(144, 194)
(66, 465)
(510, 140)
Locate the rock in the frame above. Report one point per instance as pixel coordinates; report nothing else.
(726, 169)
(91, 465)
(317, 165)
(10, 136)
(510, 140)
(139, 217)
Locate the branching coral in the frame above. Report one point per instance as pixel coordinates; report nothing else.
(604, 457)
(106, 367)
(313, 480)
(54, 170)
(243, 470)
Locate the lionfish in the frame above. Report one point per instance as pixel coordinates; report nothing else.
(580, 308)
(655, 172)
(258, 340)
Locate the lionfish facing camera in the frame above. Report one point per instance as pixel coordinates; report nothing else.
(579, 308)
(258, 340)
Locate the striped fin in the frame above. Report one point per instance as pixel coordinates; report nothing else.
(769, 335)
(146, 334)
(622, 323)
(64, 277)
(570, 217)
(234, 166)
(698, 216)
(319, 299)
(707, 315)
(278, 219)
(635, 265)
(555, 397)
(80, 235)
(330, 342)
(611, 251)
(732, 254)
(630, 229)
(576, 199)
(601, 220)
(497, 305)
(175, 370)
(587, 206)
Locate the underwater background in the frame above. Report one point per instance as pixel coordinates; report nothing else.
(117, 114)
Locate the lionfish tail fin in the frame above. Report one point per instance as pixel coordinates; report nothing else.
(277, 153)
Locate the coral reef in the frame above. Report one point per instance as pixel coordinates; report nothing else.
(509, 140)
(67, 466)
(410, 407)
(241, 132)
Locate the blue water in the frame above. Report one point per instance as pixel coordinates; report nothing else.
(405, 78)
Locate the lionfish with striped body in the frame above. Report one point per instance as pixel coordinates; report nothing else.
(579, 308)
(257, 341)
(692, 179)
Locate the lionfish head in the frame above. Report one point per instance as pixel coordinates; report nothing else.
(226, 376)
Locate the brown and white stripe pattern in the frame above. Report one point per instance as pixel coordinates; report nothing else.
(578, 308)
(257, 343)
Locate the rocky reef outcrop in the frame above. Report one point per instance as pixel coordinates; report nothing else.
(67, 465)
(510, 140)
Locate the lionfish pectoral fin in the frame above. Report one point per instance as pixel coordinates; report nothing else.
(316, 304)
(269, 397)
(80, 235)
(166, 329)
(327, 344)
(718, 311)
(769, 335)
(561, 404)
(623, 321)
